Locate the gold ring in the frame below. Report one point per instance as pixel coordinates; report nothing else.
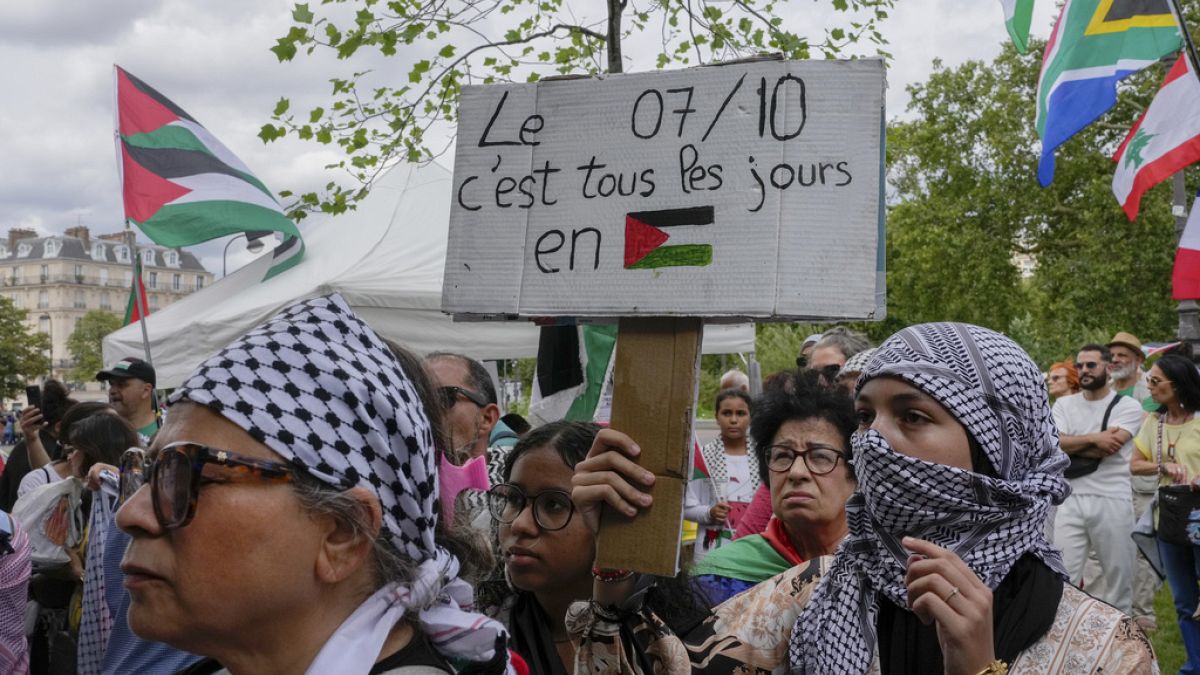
(953, 593)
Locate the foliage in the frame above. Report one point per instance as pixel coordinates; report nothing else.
(85, 343)
(964, 199)
(24, 354)
(447, 44)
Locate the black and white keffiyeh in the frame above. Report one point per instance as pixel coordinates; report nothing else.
(319, 387)
(993, 388)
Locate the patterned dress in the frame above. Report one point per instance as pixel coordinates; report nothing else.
(748, 635)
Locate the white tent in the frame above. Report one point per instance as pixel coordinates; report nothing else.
(385, 258)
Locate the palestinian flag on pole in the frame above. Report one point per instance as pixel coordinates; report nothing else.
(181, 186)
(573, 366)
(136, 291)
(1017, 16)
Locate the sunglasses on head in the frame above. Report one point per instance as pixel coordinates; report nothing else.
(175, 477)
(450, 396)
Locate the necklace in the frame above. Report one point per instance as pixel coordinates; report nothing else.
(1172, 442)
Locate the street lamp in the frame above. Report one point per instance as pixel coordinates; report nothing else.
(254, 245)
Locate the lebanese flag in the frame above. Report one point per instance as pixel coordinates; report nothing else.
(1185, 279)
(1164, 140)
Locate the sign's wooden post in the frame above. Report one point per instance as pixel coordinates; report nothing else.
(654, 396)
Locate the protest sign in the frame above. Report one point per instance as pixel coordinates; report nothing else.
(750, 190)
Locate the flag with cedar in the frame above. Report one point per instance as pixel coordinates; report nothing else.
(182, 186)
(137, 295)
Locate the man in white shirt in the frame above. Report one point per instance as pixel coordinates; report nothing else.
(1098, 516)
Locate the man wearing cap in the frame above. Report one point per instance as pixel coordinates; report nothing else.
(131, 393)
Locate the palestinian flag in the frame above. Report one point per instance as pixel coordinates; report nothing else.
(1017, 16)
(181, 186)
(573, 366)
(136, 291)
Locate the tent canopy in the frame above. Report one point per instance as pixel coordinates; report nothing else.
(386, 258)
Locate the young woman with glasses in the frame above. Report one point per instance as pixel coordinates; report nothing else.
(802, 439)
(547, 550)
(1173, 432)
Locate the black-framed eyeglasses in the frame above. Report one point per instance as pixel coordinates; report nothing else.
(450, 396)
(818, 459)
(552, 509)
(175, 477)
(1080, 365)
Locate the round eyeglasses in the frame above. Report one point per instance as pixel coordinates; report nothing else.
(818, 459)
(552, 509)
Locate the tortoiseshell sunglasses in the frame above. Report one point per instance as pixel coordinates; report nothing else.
(175, 477)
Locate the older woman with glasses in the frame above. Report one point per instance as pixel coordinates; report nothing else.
(1062, 379)
(801, 434)
(288, 521)
(945, 567)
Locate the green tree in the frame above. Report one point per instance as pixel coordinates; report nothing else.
(446, 44)
(964, 199)
(85, 343)
(24, 355)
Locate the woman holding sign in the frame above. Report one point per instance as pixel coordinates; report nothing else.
(945, 568)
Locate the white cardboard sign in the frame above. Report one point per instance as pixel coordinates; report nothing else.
(746, 190)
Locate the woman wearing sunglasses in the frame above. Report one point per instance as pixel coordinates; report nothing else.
(1168, 447)
(801, 432)
(288, 521)
(945, 567)
(547, 549)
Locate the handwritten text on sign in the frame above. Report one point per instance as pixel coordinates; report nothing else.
(749, 190)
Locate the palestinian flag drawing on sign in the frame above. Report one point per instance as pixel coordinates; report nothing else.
(182, 186)
(644, 239)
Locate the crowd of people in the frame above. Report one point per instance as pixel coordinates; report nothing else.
(317, 499)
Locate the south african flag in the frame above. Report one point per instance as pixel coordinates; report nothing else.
(182, 186)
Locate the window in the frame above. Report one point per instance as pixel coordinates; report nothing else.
(45, 273)
(154, 280)
(19, 299)
(105, 300)
(129, 278)
(154, 303)
(43, 300)
(199, 282)
(98, 252)
(51, 247)
(176, 282)
(23, 250)
(103, 276)
(44, 324)
(80, 303)
(122, 253)
(79, 274)
(147, 256)
(171, 258)
(3, 251)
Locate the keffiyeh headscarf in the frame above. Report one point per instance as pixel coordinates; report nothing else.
(317, 385)
(993, 388)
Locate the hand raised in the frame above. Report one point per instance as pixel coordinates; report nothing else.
(609, 476)
(943, 590)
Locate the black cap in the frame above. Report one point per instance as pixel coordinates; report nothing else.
(128, 367)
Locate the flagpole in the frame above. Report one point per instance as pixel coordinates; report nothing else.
(131, 236)
(1188, 46)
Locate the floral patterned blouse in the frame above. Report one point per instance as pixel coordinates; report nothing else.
(748, 635)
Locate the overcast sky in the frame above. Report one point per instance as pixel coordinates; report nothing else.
(212, 58)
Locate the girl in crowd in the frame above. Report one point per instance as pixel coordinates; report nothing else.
(547, 549)
(288, 523)
(717, 500)
(1062, 379)
(945, 568)
(1172, 435)
(60, 468)
(801, 434)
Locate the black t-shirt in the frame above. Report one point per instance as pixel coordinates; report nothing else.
(418, 652)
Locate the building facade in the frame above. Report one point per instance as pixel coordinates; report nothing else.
(59, 278)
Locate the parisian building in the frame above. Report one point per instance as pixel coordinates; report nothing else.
(59, 278)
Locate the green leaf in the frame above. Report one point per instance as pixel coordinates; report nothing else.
(270, 132)
(284, 49)
(301, 14)
(446, 52)
(281, 107)
(315, 115)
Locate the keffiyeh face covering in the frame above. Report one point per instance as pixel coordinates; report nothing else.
(992, 387)
(317, 385)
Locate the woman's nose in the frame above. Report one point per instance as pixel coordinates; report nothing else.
(136, 516)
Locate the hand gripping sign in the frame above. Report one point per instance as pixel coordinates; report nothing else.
(745, 191)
